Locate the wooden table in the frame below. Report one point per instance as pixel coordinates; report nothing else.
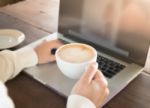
(28, 93)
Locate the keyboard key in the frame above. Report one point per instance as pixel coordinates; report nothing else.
(108, 67)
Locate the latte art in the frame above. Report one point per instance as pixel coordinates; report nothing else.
(72, 59)
(76, 53)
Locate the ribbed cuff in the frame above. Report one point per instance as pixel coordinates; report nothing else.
(27, 57)
(77, 101)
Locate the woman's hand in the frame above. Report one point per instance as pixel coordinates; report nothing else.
(92, 85)
(43, 51)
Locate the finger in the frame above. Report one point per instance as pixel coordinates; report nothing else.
(106, 92)
(90, 72)
(103, 97)
(52, 59)
(56, 42)
(100, 78)
(52, 44)
(99, 74)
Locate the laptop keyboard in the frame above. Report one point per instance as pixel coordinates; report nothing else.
(108, 67)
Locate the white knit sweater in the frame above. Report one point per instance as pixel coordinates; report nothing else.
(12, 62)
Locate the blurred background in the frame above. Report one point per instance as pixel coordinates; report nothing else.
(6, 2)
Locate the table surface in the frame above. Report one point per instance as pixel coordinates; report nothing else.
(28, 93)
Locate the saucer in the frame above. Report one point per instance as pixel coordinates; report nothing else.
(10, 38)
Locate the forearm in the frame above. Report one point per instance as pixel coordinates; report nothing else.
(12, 62)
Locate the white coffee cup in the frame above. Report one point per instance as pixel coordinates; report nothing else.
(72, 59)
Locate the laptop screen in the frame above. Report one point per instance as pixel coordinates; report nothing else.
(121, 27)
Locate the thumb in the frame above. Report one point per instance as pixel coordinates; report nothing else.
(89, 73)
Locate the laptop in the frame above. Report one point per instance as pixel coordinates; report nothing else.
(121, 53)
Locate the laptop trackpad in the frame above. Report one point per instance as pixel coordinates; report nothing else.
(50, 75)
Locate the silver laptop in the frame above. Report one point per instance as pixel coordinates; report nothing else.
(121, 52)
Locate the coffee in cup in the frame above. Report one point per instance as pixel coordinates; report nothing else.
(73, 58)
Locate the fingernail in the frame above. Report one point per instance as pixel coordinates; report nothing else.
(94, 64)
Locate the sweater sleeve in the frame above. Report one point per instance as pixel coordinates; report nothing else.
(147, 64)
(12, 62)
(77, 101)
(5, 101)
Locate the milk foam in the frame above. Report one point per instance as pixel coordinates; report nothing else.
(76, 53)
